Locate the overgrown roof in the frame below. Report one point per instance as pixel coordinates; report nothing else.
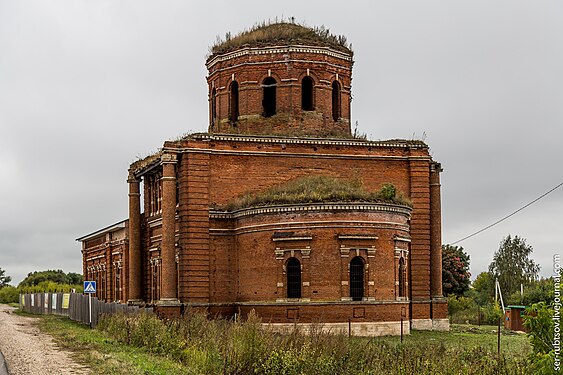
(269, 34)
(318, 189)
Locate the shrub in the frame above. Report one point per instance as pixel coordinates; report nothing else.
(538, 320)
(9, 294)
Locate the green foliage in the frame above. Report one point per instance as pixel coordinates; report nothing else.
(492, 312)
(50, 287)
(538, 291)
(9, 294)
(484, 288)
(512, 265)
(318, 189)
(462, 309)
(56, 276)
(4, 280)
(455, 270)
(539, 321)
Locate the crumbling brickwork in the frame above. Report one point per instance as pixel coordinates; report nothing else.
(373, 263)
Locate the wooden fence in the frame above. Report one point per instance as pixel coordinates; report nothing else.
(73, 305)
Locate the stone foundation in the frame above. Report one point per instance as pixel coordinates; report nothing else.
(355, 328)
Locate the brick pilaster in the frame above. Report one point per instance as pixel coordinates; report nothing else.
(168, 294)
(135, 270)
(420, 230)
(194, 228)
(435, 231)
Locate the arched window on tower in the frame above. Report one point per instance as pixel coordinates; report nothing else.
(293, 270)
(402, 278)
(269, 97)
(357, 279)
(336, 103)
(233, 102)
(307, 94)
(213, 106)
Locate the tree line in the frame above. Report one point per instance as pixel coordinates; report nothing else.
(49, 281)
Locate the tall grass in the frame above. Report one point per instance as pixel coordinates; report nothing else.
(228, 347)
(319, 189)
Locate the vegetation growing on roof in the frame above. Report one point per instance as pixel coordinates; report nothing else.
(269, 33)
(319, 189)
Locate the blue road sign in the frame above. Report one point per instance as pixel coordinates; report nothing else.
(89, 287)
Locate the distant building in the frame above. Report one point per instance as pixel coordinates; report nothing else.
(273, 209)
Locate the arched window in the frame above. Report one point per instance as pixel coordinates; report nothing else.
(269, 97)
(307, 94)
(233, 102)
(336, 105)
(357, 279)
(293, 278)
(213, 106)
(402, 277)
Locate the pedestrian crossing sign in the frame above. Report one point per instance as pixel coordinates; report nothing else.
(89, 287)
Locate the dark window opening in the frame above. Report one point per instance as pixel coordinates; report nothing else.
(336, 106)
(233, 102)
(402, 277)
(293, 278)
(213, 106)
(307, 94)
(357, 279)
(269, 97)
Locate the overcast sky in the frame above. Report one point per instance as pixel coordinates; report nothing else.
(87, 87)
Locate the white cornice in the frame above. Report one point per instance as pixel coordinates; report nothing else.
(327, 51)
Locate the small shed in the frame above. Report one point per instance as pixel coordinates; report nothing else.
(513, 318)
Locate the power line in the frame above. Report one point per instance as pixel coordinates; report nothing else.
(507, 216)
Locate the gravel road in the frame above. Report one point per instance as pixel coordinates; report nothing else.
(28, 351)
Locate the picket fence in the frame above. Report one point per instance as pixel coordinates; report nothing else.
(74, 305)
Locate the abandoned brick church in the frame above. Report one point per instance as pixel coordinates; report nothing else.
(278, 208)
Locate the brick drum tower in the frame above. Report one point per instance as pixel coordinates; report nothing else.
(278, 208)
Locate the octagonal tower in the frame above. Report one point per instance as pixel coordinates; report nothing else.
(281, 79)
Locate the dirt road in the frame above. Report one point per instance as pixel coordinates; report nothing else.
(28, 351)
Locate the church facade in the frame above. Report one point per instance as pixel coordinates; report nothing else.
(278, 208)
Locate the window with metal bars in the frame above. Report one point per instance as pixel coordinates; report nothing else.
(293, 269)
(357, 279)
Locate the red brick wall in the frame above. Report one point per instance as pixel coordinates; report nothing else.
(287, 66)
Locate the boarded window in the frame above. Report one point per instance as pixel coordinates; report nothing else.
(293, 278)
(233, 102)
(357, 279)
(269, 97)
(336, 105)
(307, 94)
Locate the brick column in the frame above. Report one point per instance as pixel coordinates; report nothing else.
(435, 231)
(135, 270)
(169, 292)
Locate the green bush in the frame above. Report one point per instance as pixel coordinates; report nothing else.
(539, 321)
(9, 294)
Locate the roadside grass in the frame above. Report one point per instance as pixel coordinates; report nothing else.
(142, 344)
(101, 353)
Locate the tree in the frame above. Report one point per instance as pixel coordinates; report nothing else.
(512, 265)
(484, 288)
(4, 280)
(455, 270)
(58, 276)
